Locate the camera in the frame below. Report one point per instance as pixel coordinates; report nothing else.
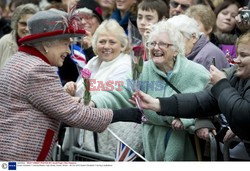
(245, 15)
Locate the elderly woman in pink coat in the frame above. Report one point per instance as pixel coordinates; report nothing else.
(32, 101)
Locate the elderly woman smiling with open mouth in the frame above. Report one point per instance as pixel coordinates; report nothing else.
(164, 138)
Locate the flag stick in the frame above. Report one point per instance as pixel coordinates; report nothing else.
(126, 144)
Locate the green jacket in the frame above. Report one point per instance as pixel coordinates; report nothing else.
(160, 142)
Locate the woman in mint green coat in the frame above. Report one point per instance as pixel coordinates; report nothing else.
(164, 138)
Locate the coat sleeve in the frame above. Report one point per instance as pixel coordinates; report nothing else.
(115, 99)
(46, 94)
(190, 105)
(234, 107)
(204, 123)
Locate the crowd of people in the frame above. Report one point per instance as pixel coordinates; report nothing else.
(165, 74)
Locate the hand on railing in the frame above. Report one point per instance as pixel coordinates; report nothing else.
(203, 133)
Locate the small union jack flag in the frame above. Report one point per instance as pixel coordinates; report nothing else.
(124, 153)
(78, 56)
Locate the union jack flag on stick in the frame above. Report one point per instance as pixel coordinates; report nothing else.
(124, 152)
(78, 56)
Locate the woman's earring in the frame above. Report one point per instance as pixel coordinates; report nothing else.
(46, 50)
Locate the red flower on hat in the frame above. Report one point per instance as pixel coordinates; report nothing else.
(74, 21)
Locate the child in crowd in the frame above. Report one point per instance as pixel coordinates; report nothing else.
(149, 13)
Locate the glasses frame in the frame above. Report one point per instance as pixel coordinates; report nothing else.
(161, 45)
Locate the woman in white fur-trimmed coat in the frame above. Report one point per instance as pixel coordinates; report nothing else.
(110, 68)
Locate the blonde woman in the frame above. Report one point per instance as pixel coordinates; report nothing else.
(110, 69)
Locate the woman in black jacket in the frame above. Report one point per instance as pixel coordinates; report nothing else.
(230, 95)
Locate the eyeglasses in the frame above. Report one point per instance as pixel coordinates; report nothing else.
(175, 4)
(161, 45)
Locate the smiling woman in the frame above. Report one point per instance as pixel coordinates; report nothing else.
(109, 40)
(243, 58)
(164, 138)
(108, 47)
(110, 44)
(163, 54)
(228, 95)
(9, 42)
(56, 51)
(226, 26)
(111, 65)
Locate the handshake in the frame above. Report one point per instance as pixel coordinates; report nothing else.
(147, 102)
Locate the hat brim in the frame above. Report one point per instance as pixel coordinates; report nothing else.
(58, 34)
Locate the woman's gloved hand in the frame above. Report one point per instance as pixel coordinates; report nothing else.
(127, 115)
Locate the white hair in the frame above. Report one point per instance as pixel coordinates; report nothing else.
(186, 25)
(175, 36)
(84, 10)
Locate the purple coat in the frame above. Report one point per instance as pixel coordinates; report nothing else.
(204, 51)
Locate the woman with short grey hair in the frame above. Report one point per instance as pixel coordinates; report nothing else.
(198, 48)
(164, 138)
(9, 43)
(175, 38)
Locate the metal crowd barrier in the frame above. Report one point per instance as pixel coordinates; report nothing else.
(79, 154)
(226, 147)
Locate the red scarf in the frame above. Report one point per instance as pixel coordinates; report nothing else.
(33, 51)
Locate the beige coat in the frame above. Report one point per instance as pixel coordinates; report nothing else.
(8, 47)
